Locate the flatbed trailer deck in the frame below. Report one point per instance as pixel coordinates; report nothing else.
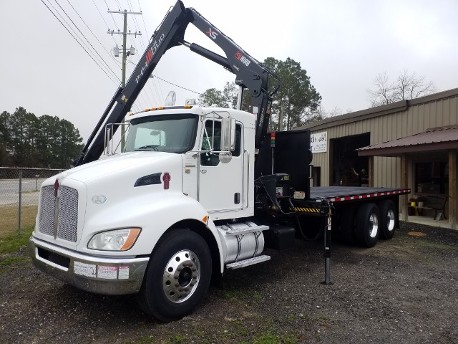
(351, 193)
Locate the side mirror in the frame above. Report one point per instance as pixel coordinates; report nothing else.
(227, 134)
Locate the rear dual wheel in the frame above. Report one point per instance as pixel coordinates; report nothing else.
(373, 222)
(388, 215)
(367, 225)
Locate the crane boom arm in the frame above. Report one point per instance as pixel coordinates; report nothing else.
(250, 74)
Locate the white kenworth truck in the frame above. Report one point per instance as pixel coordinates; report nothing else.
(195, 191)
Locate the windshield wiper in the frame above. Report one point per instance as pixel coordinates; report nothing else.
(147, 147)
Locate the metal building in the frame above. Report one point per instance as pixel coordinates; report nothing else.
(411, 143)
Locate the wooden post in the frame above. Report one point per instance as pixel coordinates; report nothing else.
(452, 189)
(403, 208)
(370, 173)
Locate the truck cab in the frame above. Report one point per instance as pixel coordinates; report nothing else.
(182, 170)
(198, 135)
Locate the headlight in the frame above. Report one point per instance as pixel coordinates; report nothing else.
(115, 240)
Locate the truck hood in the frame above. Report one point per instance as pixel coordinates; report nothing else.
(119, 174)
(124, 166)
(100, 195)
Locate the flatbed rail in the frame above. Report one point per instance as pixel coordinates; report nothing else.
(336, 194)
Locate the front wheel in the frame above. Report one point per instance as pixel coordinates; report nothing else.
(177, 277)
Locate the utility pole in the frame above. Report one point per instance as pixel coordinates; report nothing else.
(124, 34)
(125, 53)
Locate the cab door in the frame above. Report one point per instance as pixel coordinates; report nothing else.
(220, 183)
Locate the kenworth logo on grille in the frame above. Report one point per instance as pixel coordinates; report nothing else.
(56, 188)
(56, 207)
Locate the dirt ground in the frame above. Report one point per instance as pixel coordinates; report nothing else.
(402, 291)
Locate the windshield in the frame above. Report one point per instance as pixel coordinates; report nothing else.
(173, 133)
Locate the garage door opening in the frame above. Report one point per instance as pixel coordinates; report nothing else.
(349, 169)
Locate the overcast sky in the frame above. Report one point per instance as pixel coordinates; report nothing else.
(342, 45)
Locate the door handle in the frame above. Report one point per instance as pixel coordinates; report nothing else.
(203, 171)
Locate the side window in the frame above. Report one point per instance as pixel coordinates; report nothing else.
(238, 140)
(211, 141)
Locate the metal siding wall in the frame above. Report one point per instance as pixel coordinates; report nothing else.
(431, 115)
(320, 159)
(386, 171)
(453, 103)
(417, 118)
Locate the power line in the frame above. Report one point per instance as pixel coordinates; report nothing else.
(171, 83)
(85, 45)
(84, 36)
(77, 41)
(100, 13)
(112, 17)
(157, 87)
(93, 34)
(146, 29)
(148, 90)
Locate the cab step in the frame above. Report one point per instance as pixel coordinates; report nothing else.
(247, 262)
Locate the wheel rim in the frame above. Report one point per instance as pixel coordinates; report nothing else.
(181, 276)
(373, 225)
(390, 220)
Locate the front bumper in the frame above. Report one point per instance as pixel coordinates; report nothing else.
(109, 276)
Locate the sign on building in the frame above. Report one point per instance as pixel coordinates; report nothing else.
(319, 142)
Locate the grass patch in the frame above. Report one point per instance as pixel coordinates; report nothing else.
(9, 219)
(12, 260)
(13, 242)
(274, 339)
(10, 246)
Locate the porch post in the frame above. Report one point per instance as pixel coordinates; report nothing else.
(370, 173)
(452, 189)
(403, 208)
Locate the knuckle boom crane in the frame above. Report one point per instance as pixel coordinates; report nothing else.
(194, 192)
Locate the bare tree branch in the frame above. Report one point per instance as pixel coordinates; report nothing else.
(407, 86)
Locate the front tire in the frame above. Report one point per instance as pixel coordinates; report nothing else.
(367, 225)
(178, 276)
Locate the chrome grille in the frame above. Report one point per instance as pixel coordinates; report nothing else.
(68, 214)
(47, 203)
(67, 217)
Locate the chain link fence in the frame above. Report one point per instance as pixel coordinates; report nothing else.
(19, 195)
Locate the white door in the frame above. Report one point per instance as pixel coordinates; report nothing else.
(220, 184)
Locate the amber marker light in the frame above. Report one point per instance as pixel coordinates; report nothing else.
(131, 238)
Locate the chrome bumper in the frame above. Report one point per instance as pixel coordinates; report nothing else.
(109, 276)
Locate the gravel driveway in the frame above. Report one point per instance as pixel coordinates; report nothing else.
(402, 291)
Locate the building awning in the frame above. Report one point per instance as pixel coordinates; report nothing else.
(436, 139)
